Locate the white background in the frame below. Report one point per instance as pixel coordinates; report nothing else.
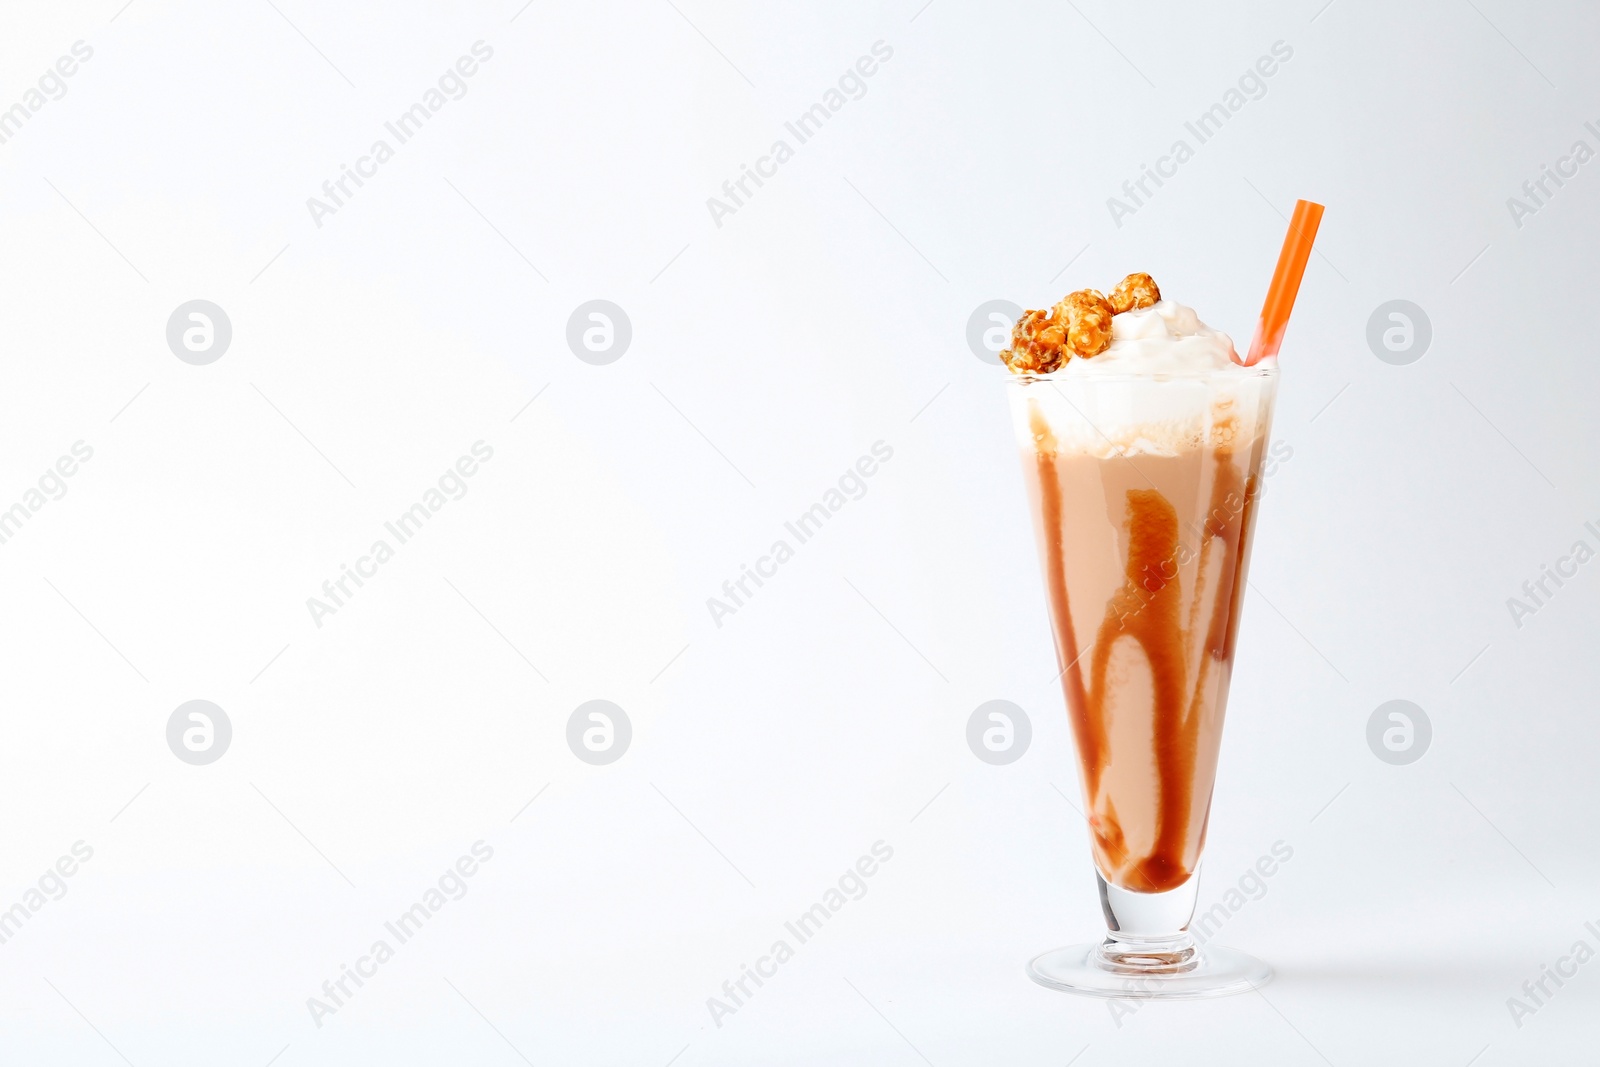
(768, 354)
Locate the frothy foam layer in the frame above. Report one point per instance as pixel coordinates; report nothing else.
(1159, 416)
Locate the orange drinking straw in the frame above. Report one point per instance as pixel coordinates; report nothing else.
(1285, 281)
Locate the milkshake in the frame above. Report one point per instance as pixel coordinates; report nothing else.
(1142, 440)
(1144, 492)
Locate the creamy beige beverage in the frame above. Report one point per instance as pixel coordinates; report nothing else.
(1143, 436)
(1144, 557)
(1142, 462)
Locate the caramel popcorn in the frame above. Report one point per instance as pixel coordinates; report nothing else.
(1080, 325)
(1087, 315)
(1037, 343)
(1133, 292)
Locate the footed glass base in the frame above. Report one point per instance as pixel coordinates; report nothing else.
(1110, 970)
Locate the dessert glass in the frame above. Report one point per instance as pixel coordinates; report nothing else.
(1144, 491)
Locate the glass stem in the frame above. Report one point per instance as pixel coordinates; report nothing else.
(1148, 933)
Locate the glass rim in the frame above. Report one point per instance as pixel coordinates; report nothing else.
(1232, 373)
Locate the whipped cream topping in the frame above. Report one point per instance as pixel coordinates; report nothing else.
(1166, 385)
(1167, 338)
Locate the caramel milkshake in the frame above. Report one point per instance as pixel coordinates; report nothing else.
(1142, 434)
(1142, 440)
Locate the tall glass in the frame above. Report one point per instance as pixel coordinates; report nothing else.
(1144, 494)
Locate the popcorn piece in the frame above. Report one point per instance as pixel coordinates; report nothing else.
(1133, 292)
(1037, 343)
(1087, 315)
